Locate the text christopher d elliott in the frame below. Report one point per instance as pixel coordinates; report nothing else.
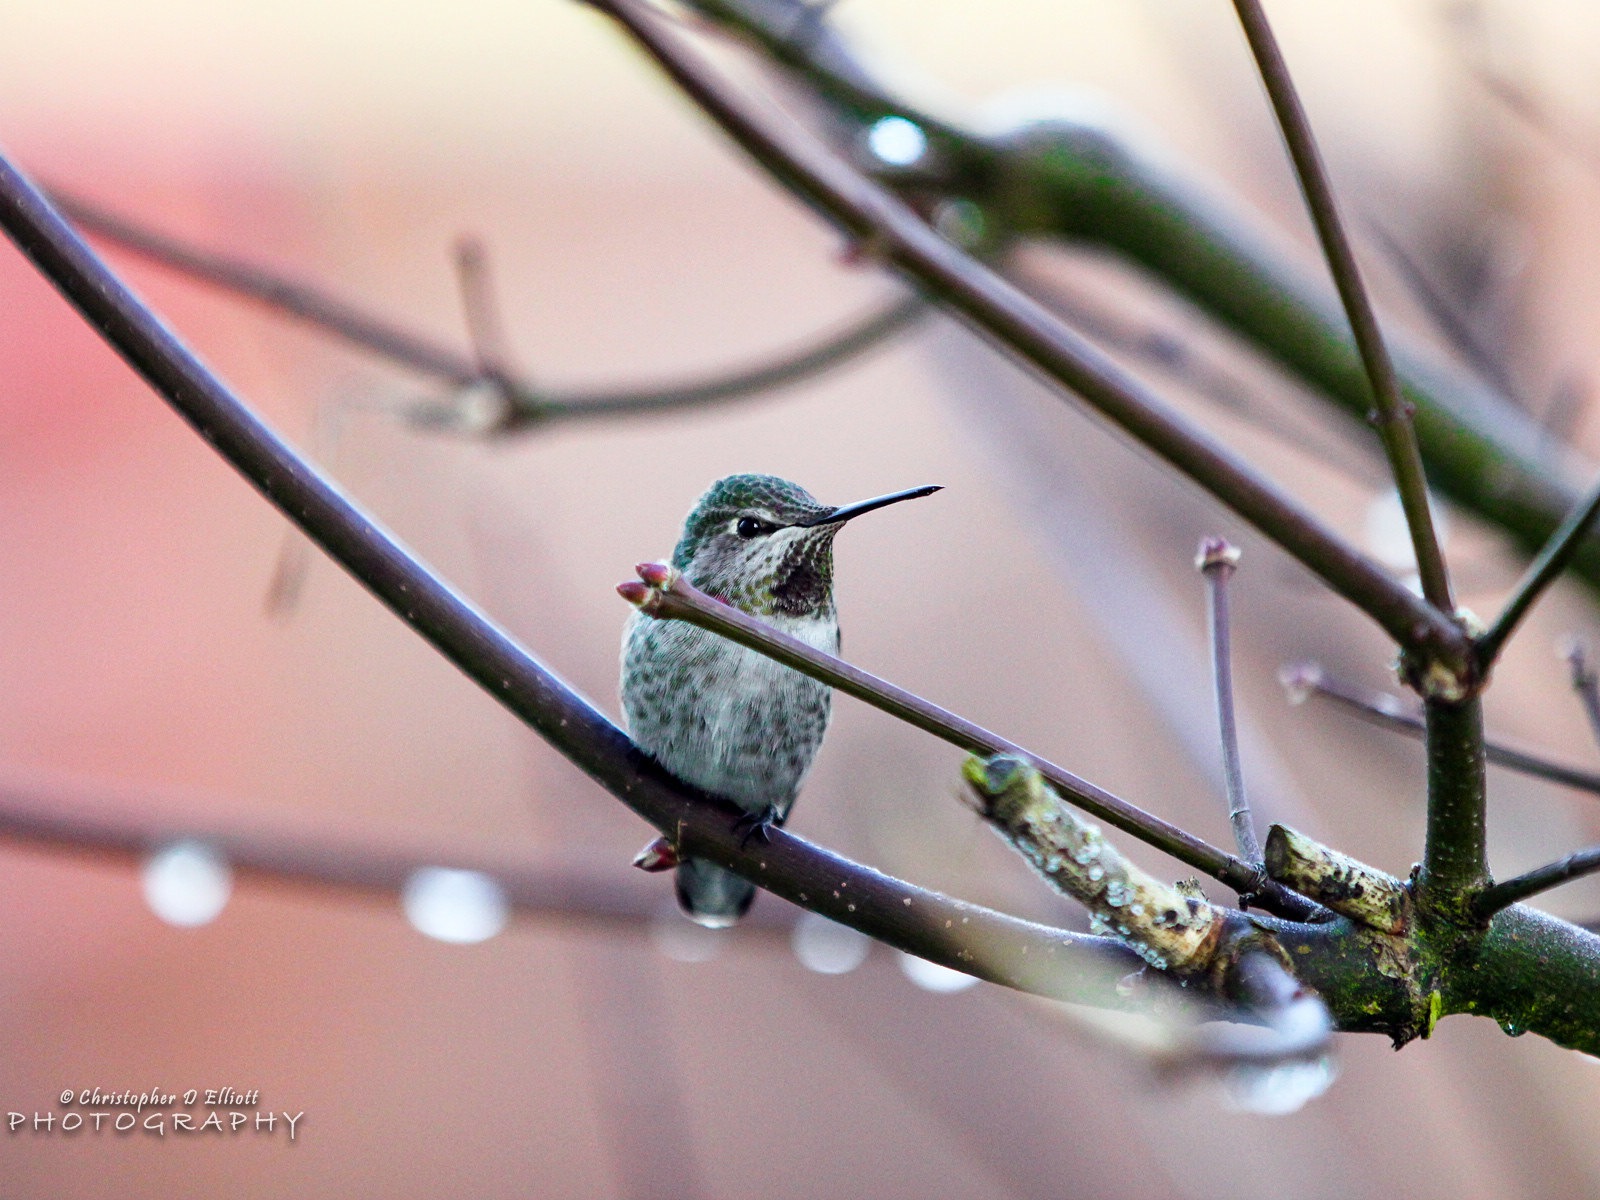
(100, 1114)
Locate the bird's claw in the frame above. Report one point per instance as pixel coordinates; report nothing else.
(757, 824)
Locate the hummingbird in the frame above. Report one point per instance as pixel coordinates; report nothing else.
(717, 714)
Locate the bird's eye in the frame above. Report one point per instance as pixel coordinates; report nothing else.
(750, 527)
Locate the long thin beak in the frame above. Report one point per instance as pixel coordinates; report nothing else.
(851, 511)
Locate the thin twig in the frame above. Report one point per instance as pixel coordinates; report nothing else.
(1586, 683)
(1446, 316)
(894, 233)
(1217, 561)
(827, 351)
(278, 292)
(524, 404)
(1546, 567)
(1391, 712)
(491, 347)
(667, 595)
(989, 945)
(1541, 879)
(1393, 414)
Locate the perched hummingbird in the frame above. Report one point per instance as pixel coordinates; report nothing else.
(716, 714)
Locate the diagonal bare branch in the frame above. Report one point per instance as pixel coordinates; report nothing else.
(990, 945)
(1393, 413)
(1544, 570)
(893, 232)
(667, 595)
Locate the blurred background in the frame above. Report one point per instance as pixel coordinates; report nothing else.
(1048, 593)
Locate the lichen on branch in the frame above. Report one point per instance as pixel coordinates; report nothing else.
(1171, 926)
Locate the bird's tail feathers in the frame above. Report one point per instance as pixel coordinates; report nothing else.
(711, 895)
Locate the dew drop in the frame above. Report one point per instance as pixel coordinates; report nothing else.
(933, 977)
(456, 906)
(1279, 1090)
(897, 141)
(187, 883)
(827, 947)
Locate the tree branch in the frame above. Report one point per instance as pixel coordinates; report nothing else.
(58, 817)
(521, 404)
(1390, 712)
(1087, 179)
(1393, 415)
(1168, 926)
(667, 595)
(965, 937)
(1454, 854)
(1530, 883)
(893, 232)
(1544, 570)
(1217, 561)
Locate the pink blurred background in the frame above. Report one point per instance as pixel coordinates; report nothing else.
(1046, 593)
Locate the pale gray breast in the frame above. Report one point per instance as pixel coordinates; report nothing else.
(720, 716)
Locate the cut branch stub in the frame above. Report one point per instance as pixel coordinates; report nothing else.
(1350, 888)
(1171, 928)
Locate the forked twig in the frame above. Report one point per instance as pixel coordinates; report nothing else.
(522, 404)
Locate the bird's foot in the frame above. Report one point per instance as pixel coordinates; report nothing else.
(758, 824)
